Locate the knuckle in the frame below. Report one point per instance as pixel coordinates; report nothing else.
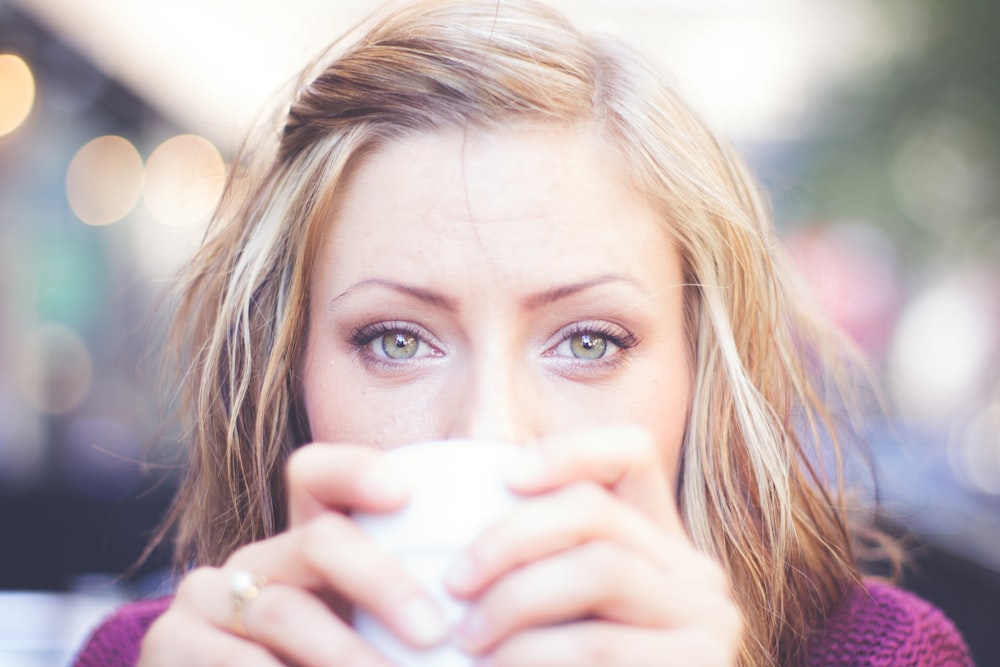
(602, 556)
(318, 536)
(707, 645)
(641, 445)
(299, 464)
(242, 557)
(159, 633)
(271, 609)
(722, 623)
(591, 500)
(196, 580)
(711, 572)
(731, 619)
(505, 602)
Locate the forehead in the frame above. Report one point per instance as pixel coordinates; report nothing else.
(484, 174)
(514, 196)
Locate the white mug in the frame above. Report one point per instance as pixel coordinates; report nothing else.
(457, 491)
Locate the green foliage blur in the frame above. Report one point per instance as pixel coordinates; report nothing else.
(914, 146)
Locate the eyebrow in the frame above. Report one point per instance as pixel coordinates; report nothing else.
(548, 297)
(427, 296)
(531, 302)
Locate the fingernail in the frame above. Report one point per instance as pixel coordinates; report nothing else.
(471, 631)
(423, 622)
(527, 469)
(461, 576)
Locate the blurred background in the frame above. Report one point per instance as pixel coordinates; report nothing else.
(873, 124)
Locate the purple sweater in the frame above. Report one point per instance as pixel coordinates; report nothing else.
(876, 626)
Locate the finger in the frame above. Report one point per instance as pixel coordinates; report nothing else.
(202, 645)
(328, 554)
(625, 460)
(595, 643)
(323, 476)
(598, 580)
(333, 553)
(299, 627)
(554, 522)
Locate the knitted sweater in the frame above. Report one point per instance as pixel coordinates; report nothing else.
(875, 626)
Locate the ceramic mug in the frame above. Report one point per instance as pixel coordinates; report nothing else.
(458, 490)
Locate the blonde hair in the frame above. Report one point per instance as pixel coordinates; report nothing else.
(752, 490)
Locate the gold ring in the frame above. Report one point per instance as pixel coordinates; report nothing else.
(245, 588)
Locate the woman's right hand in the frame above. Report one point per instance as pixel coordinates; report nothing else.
(315, 571)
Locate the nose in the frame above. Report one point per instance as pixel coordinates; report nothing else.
(494, 401)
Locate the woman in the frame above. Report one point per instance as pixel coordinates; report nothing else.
(481, 224)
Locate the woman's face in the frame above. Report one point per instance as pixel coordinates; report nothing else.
(501, 285)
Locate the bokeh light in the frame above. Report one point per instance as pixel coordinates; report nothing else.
(941, 351)
(184, 179)
(54, 369)
(104, 180)
(975, 451)
(942, 176)
(18, 86)
(853, 272)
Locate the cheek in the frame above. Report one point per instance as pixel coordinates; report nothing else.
(342, 405)
(330, 405)
(337, 413)
(320, 397)
(663, 408)
(671, 416)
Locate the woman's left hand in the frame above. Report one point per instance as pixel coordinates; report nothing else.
(594, 567)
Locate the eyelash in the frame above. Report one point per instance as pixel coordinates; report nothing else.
(363, 336)
(618, 336)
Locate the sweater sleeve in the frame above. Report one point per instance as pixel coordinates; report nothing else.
(882, 626)
(116, 642)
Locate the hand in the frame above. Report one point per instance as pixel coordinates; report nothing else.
(595, 567)
(322, 564)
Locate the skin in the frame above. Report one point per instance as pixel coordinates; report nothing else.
(501, 285)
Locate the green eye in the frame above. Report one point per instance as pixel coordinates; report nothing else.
(399, 345)
(588, 346)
